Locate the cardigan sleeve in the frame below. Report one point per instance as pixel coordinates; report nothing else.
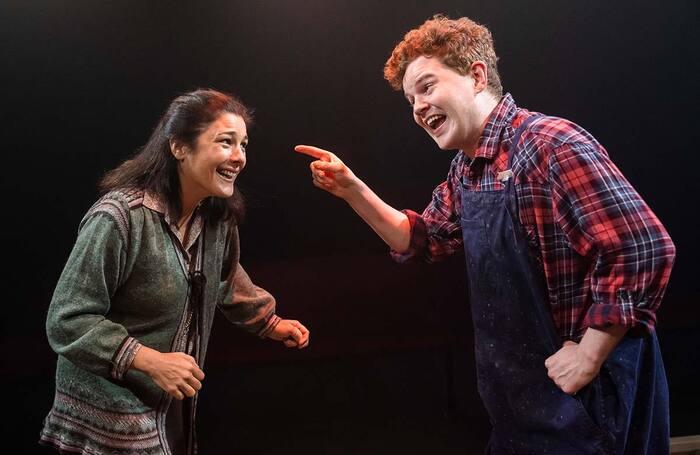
(77, 325)
(246, 305)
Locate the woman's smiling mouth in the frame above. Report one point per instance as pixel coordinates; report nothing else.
(228, 174)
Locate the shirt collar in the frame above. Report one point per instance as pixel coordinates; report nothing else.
(501, 117)
(155, 203)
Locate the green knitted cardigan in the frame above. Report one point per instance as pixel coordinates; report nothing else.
(123, 286)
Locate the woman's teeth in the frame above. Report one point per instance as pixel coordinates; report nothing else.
(228, 174)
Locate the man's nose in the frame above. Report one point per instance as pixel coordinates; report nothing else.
(419, 106)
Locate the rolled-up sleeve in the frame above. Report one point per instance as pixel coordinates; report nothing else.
(436, 233)
(602, 215)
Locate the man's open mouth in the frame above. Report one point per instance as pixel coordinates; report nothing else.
(435, 120)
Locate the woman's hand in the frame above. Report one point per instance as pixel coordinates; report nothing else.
(329, 172)
(292, 333)
(175, 372)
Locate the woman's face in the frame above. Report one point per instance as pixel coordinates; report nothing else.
(211, 168)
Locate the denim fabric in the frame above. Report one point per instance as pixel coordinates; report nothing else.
(624, 410)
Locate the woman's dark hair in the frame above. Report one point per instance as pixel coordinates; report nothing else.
(154, 168)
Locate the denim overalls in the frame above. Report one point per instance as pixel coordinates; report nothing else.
(623, 411)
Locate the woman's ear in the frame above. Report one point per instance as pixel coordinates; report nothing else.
(178, 149)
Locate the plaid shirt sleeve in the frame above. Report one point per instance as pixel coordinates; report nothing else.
(602, 215)
(436, 233)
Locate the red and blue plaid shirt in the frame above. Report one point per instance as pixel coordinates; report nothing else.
(606, 257)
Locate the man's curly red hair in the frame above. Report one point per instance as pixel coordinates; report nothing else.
(457, 42)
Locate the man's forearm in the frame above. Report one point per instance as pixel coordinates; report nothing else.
(597, 344)
(390, 224)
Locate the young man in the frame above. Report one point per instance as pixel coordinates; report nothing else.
(566, 263)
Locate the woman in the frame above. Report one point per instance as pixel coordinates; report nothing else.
(132, 311)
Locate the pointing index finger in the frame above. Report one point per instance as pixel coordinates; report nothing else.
(314, 152)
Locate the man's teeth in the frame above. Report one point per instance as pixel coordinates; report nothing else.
(433, 119)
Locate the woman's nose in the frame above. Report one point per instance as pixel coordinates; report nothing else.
(237, 153)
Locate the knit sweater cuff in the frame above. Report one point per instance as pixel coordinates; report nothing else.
(124, 357)
(269, 326)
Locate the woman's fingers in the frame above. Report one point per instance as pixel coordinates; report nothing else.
(302, 334)
(178, 374)
(194, 383)
(303, 341)
(294, 335)
(187, 390)
(299, 326)
(198, 373)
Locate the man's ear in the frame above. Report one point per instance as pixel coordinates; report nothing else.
(480, 76)
(178, 149)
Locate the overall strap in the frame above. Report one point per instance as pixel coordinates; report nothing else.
(512, 205)
(516, 138)
(508, 178)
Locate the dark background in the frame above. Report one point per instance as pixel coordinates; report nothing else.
(389, 369)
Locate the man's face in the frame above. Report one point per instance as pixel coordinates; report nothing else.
(443, 103)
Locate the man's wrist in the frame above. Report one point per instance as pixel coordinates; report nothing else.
(597, 343)
(356, 192)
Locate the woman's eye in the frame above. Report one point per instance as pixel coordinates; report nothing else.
(226, 141)
(244, 146)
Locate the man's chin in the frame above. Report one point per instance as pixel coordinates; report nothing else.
(443, 144)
